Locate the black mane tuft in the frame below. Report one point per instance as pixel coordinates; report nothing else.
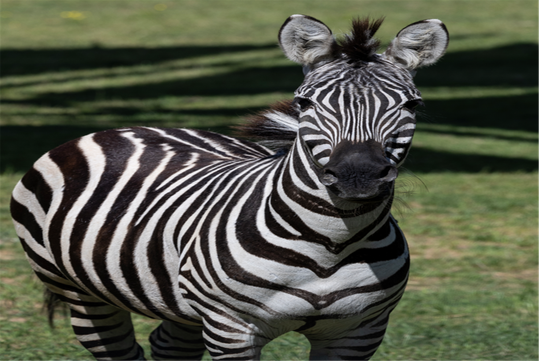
(275, 127)
(360, 44)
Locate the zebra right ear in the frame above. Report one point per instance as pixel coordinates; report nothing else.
(307, 41)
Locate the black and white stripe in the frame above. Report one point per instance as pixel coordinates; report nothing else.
(230, 243)
(367, 103)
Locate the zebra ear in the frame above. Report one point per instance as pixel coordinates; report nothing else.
(419, 44)
(307, 41)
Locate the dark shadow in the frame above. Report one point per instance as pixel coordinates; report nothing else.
(239, 112)
(247, 81)
(30, 61)
(517, 112)
(421, 160)
(492, 67)
(479, 135)
(36, 141)
(510, 65)
(514, 65)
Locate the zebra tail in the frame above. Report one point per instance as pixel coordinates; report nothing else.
(50, 303)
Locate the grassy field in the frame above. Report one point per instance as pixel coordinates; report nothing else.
(467, 202)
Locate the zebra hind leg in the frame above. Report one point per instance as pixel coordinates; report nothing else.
(176, 341)
(104, 330)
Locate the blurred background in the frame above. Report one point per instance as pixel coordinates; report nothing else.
(467, 199)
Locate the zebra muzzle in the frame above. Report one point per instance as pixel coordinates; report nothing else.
(359, 172)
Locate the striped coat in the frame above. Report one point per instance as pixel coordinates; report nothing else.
(228, 242)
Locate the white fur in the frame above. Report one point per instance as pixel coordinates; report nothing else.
(419, 44)
(306, 41)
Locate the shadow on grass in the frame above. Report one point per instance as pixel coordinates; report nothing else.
(514, 64)
(37, 61)
(510, 65)
(518, 112)
(247, 81)
(36, 140)
(492, 67)
(423, 160)
(39, 140)
(238, 112)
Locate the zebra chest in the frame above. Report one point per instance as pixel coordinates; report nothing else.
(263, 278)
(273, 291)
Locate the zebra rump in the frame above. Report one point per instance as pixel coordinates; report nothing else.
(232, 243)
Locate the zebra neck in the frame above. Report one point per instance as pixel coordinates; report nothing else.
(304, 208)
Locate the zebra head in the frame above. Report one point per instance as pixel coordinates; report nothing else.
(356, 107)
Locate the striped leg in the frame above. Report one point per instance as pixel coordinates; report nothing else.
(358, 344)
(346, 349)
(227, 338)
(106, 331)
(177, 341)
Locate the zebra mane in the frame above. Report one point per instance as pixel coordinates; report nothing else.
(276, 127)
(360, 45)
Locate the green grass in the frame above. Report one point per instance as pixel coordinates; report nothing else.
(468, 196)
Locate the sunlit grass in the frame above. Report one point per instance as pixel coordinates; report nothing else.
(472, 23)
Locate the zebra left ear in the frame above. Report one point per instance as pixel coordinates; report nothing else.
(307, 41)
(419, 44)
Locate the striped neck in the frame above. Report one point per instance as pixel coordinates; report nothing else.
(300, 198)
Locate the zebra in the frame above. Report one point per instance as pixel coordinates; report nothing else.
(234, 242)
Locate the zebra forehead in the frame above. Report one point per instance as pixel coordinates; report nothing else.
(358, 81)
(352, 91)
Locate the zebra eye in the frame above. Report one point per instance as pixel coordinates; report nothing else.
(303, 103)
(412, 104)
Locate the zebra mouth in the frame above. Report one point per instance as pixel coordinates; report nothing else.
(373, 193)
(380, 197)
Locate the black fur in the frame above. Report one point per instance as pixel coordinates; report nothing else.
(359, 45)
(261, 128)
(51, 302)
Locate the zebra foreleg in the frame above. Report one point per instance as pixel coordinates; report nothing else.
(106, 331)
(343, 350)
(358, 344)
(177, 341)
(229, 338)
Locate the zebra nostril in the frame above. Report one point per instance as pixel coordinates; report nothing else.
(328, 178)
(389, 173)
(384, 172)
